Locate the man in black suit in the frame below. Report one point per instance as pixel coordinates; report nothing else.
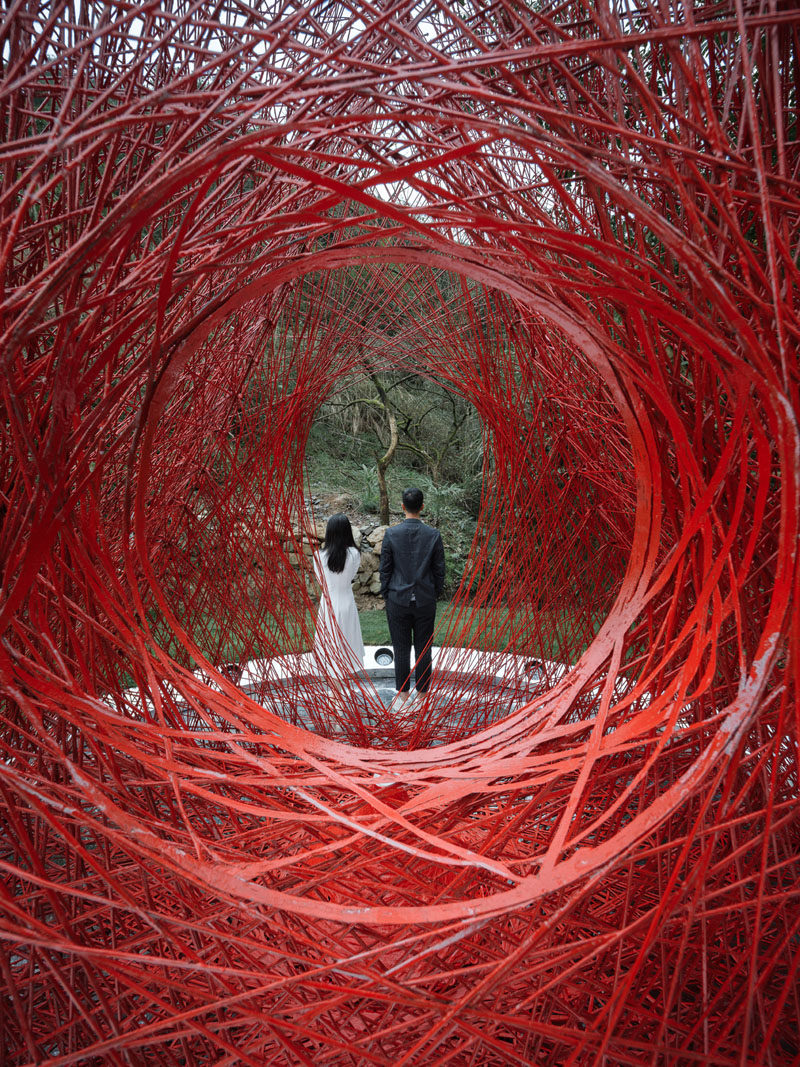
(412, 577)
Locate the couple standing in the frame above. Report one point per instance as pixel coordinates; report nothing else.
(412, 577)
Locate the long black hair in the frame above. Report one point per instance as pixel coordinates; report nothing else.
(338, 538)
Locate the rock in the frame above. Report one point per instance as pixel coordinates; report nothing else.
(369, 563)
(375, 584)
(376, 537)
(340, 502)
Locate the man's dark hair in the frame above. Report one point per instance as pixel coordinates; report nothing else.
(413, 500)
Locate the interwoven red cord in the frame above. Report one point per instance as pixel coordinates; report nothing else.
(584, 220)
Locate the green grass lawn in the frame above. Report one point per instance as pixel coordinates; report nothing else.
(477, 628)
(375, 629)
(474, 627)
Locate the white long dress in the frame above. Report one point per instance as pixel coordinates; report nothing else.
(338, 644)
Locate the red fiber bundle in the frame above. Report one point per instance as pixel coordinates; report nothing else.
(582, 218)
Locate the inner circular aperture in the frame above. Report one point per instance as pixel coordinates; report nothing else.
(226, 501)
(610, 871)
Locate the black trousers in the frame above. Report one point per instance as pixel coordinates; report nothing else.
(407, 625)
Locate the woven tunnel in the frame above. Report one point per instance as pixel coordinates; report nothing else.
(581, 219)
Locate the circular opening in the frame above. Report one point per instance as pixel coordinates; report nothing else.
(384, 657)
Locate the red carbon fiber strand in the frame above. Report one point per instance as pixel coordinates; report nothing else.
(585, 220)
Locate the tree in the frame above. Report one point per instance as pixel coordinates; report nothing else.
(383, 461)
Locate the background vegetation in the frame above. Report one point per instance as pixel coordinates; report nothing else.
(439, 448)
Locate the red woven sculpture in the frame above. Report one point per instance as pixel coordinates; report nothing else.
(211, 215)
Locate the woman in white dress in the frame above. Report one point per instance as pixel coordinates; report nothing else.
(338, 644)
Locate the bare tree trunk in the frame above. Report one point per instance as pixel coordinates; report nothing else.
(382, 463)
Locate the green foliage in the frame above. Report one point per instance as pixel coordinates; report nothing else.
(440, 433)
(369, 488)
(443, 503)
(445, 508)
(338, 462)
(335, 463)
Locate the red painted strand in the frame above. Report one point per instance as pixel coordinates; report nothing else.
(583, 848)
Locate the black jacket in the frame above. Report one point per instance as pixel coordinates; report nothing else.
(412, 563)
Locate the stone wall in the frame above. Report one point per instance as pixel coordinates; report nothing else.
(369, 539)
